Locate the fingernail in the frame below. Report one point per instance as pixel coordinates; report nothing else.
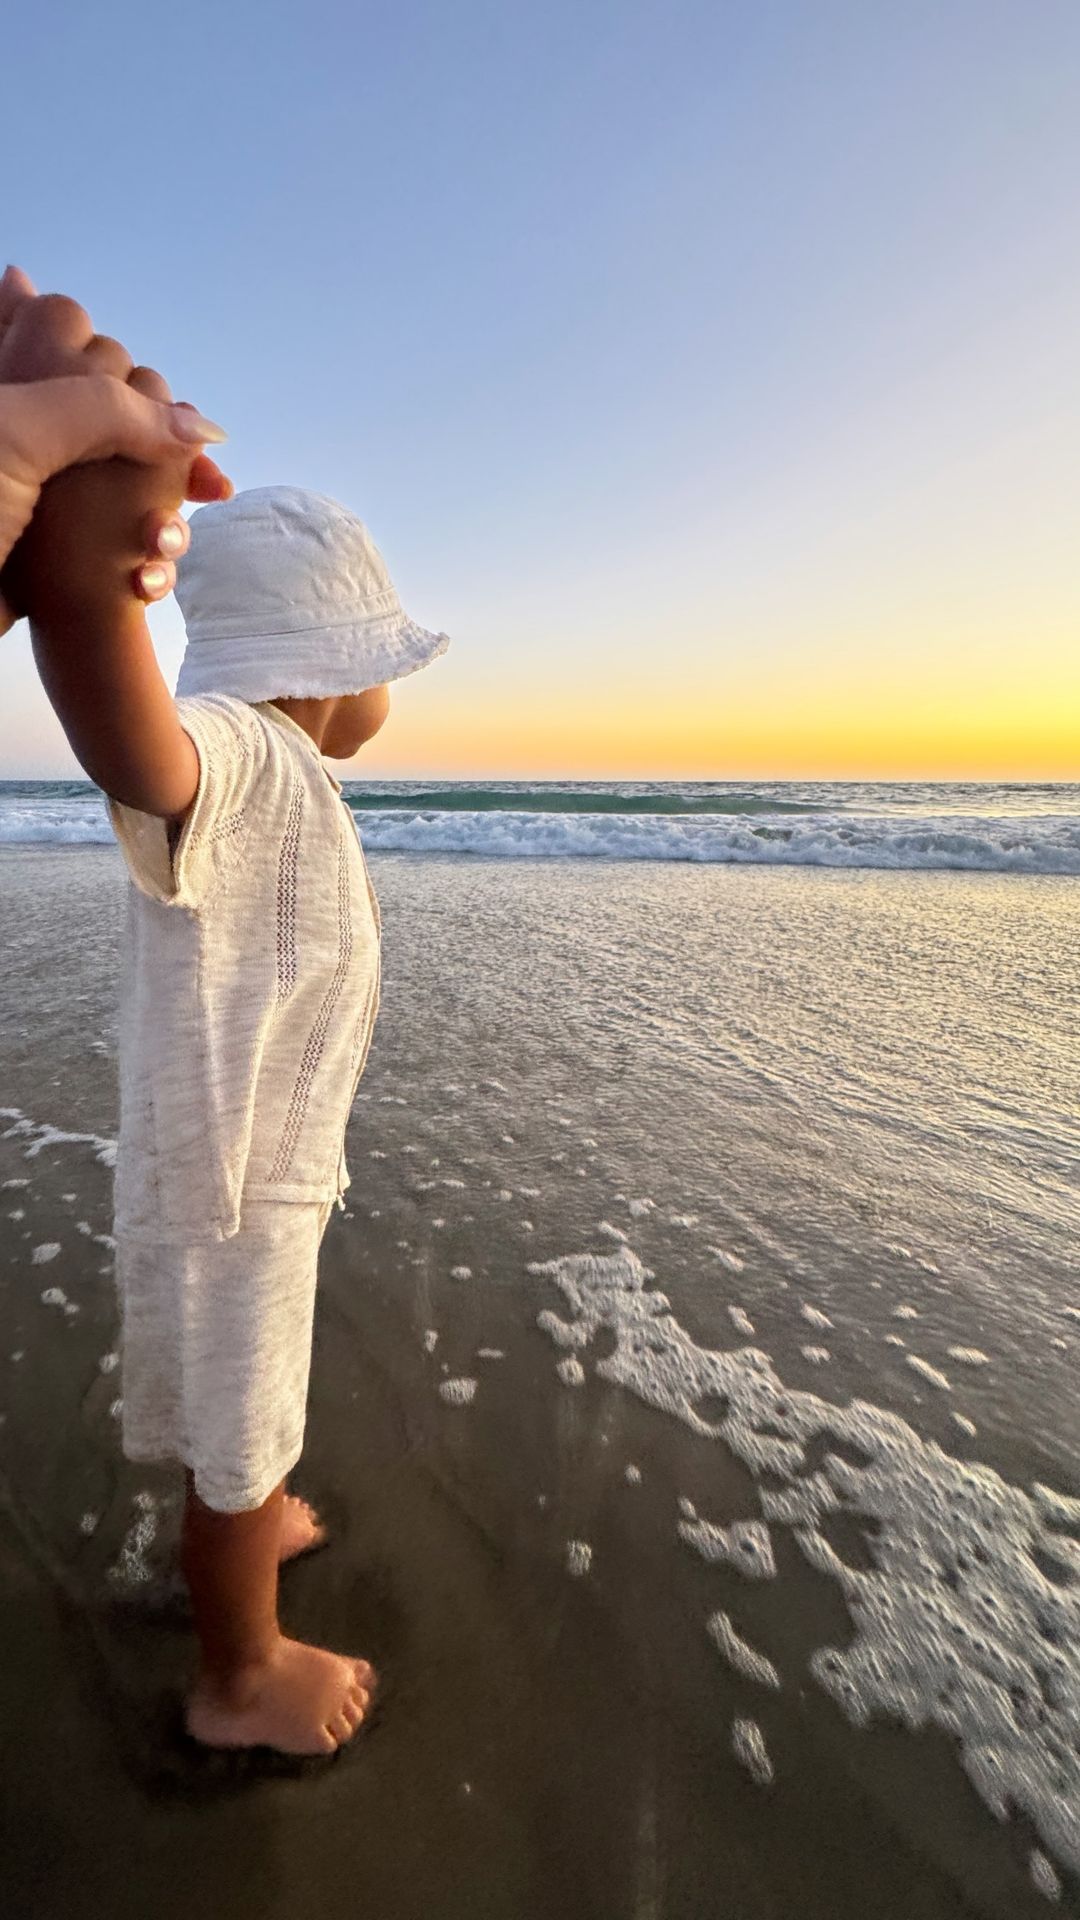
(153, 579)
(171, 540)
(194, 428)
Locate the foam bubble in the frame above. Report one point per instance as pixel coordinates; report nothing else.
(612, 1233)
(968, 1618)
(490, 1353)
(578, 1556)
(739, 1654)
(741, 1321)
(745, 1544)
(1043, 1875)
(904, 1312)
(461, 1273)
(814, 1316)
(929, 1372)
(729, 1260)
(559, 1331)
(457, 1393)
(431, 1340)
(54, 1297)
(633, 1475)
(748, 1746)
(969, 1356)
(571, 1372)
(817, 1356)
(965, 1425)
(131, 1568)
(39, 1134)
(639, 1208)
(47, 1251)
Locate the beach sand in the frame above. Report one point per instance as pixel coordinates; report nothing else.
(555, 1732)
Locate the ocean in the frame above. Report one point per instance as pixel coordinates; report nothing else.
(695, 1381)
(969, 828)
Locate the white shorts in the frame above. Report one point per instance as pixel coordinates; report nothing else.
(217, 1351)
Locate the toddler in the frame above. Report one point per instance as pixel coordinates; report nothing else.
(251, 988)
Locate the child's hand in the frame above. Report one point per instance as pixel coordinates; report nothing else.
(85, 549)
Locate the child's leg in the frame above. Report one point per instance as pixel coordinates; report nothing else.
(255, 1686)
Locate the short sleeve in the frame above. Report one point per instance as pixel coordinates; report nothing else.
(230, 740)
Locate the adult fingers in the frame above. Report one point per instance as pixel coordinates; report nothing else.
(103, 355)
(64, 422)
(46, 336)
(206, 481)
(15, 289)
(149, 381)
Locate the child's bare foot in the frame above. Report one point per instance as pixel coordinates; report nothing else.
(301, 1700)
(301, 1529)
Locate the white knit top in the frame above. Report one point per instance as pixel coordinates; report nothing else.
(251, 982)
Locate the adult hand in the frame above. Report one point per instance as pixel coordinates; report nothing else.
(69, 396)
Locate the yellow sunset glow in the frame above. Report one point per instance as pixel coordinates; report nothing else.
(884, 728)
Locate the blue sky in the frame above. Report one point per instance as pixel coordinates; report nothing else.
(686, 360)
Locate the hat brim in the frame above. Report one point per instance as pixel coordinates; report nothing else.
(316, 663)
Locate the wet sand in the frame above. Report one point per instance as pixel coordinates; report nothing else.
(545, 1744)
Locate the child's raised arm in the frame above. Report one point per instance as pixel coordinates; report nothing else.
(74, 569)
(91, 641)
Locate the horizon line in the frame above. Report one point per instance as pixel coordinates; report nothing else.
(691, 779)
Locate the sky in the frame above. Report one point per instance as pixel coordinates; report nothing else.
(710, 372)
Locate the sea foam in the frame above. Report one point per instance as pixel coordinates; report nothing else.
(968, 1617)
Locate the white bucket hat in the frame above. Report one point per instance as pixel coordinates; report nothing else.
(285, 594)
